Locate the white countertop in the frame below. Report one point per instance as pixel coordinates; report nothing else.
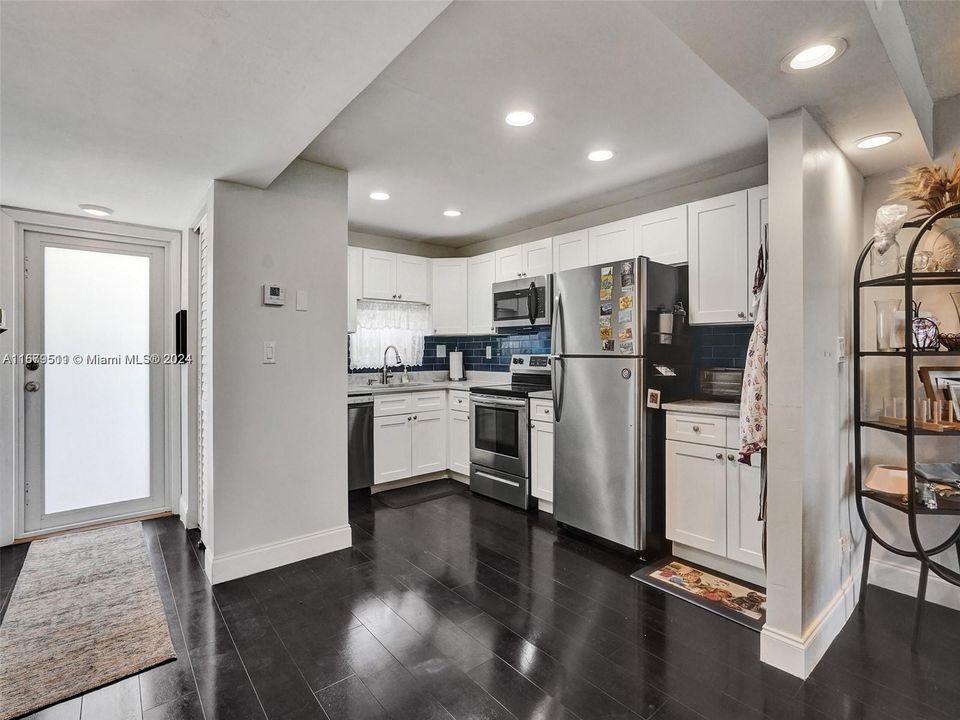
(704, 407)
(542, 395)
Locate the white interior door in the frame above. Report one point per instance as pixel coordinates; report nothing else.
(92, 380)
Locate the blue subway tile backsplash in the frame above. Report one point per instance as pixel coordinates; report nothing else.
(721, 345)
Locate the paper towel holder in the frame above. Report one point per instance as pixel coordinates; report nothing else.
(456, 365)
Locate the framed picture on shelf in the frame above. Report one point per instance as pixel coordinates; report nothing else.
(937, 381)
(954, 389)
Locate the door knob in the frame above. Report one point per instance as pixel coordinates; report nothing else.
(32, 386)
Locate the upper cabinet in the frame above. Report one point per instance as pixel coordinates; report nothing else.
(354, 285)
(527, 260)
(450, 292)
(662, 235)
(571, 251)
(757, 219)
(613, 241)
(481, 274)
(717, 246)
(390, 276)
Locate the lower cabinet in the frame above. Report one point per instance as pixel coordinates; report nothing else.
(407, 442)
(713, 501)
(392, 440)
(458, 441)
(541, 460)
(429, 442)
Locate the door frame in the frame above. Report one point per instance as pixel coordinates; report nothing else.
(104, 230)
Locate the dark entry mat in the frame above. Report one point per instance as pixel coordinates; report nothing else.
(420, 493)
(736, 600)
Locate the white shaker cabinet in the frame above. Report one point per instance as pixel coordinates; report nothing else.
(458, 433)
(744, 530)
(571, 251)
(541, 460)
(697, 496)
(481, 274)
(662, 235)
(379, 275)
(450, 296)
(392, 436)
(613, 241)
(413, 278)
(717, 246)
(757, 219)
(509, 263)
(354, 285)
(428, 442)
(537, 257)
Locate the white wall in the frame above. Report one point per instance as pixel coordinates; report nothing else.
(815, 233)
(7, 375)
(279, 489)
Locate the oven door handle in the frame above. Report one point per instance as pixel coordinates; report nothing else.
(492, 401)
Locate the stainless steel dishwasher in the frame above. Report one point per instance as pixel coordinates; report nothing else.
(359, 442)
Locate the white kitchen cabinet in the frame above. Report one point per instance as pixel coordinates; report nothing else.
(757, 220)
(744, 531)
(449, 303)
(390, 276)
(571, 251)
(613, 241)
(392, 440)
(541, 460)
(354, 285)
(458, 441)
(717, 246)
(481, 274)
(697, 496)
(526, 260)
(429, 442)
(662, 235)
(413, 278)
(379, 275)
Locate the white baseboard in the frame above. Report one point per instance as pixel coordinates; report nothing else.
(383, 487)
(799, 656)
(903, 579)
(265, 557)
(544, 506)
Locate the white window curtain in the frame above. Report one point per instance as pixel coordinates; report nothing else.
(381, 324)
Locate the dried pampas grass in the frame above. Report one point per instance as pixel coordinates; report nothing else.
(932, 187)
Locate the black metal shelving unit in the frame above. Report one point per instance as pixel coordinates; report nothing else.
(908, 280)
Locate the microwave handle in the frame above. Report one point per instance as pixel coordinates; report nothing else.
(532, 302)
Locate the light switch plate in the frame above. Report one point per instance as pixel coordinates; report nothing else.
(269, 352)
(441, 351)
(302, 300)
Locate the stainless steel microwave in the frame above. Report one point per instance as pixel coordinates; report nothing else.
(522, 303)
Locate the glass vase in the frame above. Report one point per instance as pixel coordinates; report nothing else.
(885, 318)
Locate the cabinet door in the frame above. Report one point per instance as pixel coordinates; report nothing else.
(541, 460)
(509, 263)
(697, 496)
(719, 291)
(391, 448)
(571, 251)
(354, 285)
(744, 531)
(613, 241)
(481, 272)
(537, 257)
(413, 278)
(429, 442)
(379, 275)
(458, 442)
(449, 301)
(757, 218)
(662, 235)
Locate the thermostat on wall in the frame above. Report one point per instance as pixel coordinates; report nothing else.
(273, 295)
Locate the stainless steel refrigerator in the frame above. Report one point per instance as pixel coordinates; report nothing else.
(608, 351)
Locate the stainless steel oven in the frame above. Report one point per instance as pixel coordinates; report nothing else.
(500, 433)
(522, 303)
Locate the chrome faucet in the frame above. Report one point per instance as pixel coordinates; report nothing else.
(385, 375)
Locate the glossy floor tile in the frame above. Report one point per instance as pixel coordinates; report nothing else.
(464, 608)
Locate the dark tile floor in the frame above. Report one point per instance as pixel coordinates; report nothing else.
(464, 608)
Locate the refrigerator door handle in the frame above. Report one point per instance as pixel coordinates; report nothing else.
(557, 330)
(557, 387)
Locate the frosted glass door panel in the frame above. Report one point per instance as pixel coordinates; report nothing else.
(96, 419)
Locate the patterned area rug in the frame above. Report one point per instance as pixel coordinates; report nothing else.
(734, 599)
(85, 612)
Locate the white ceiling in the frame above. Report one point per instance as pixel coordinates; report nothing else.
(856, 95)
(935, 27)
(429, 130)
(139, 106)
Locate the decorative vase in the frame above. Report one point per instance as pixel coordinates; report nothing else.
(885, 313)
(884, 256)
(944, 244)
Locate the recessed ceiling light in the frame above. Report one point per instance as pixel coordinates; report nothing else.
(452, 213)
(519, 118)
(379, 195)
(96, 210)
(600, 155)
(815, 55)
(877, 140)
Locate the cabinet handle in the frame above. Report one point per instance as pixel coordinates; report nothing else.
(414, 417)
(400, 297)
(731, 458)
(741, 314)
(719, 456)
(409, 418)
(696, 428)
